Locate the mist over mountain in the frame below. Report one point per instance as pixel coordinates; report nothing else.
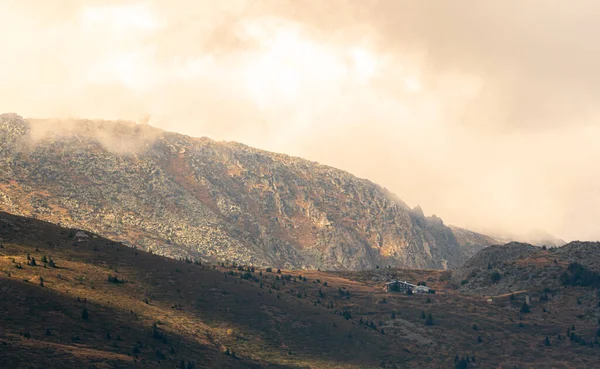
(194, 197)
(535, 237)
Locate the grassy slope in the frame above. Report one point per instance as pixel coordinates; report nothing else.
(199, 313)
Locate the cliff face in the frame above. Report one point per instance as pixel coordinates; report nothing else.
(472, 242)
(194, 197)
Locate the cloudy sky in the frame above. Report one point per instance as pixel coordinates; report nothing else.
(483, 112)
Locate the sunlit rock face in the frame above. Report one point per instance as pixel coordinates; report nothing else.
(193, 197)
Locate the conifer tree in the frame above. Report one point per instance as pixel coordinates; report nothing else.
(429, 320)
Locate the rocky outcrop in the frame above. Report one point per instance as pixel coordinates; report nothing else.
(193, 197)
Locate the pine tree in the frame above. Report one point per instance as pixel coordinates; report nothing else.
(423, 316)
(84, 314)
(429, 320)
(525, 308)
(547, 341)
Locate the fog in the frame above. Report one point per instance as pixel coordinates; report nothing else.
(485, 113)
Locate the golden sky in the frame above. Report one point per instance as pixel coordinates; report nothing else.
(483, 112)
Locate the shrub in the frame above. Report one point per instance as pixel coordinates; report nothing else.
(495, 276)
(578, 275)
(429, 320)
(114, 279)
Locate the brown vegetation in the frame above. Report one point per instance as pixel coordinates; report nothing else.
(161, 311)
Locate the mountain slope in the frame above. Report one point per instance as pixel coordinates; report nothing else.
(194, 197)
(157, 311)
(518, 266)
(148, 311)
(472, 242)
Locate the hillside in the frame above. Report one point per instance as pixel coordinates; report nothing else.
(90, 302)
(518, 267)
(193, 197)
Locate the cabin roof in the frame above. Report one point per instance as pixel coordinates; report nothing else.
(403, 282)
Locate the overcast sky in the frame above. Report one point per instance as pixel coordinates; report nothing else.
(485, 113)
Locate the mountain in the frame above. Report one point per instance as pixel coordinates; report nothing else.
(180, 196)
(534, 237)
(472, 242)
(72, 299)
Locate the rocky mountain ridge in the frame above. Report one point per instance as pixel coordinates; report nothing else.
(193, 197)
